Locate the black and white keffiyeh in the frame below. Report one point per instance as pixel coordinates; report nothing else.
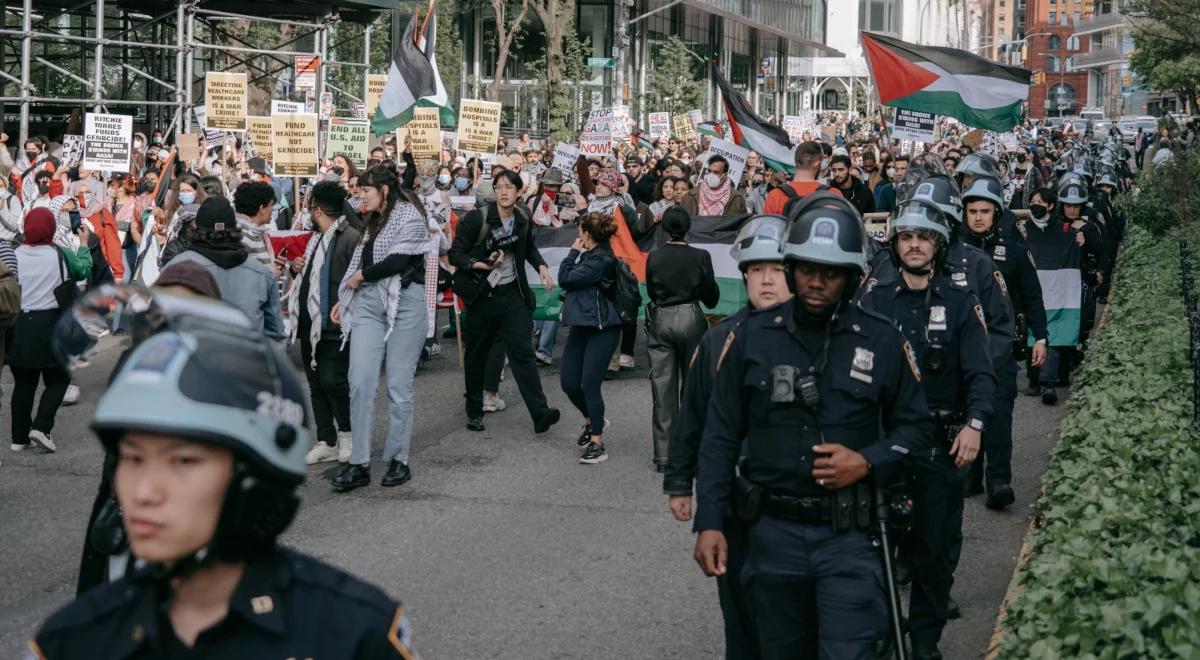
(405, 232)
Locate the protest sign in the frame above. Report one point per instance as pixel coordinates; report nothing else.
(286, 107)
(225, 101)
(326, 105)
(258, 129)
(348, 137)
(358, 109)
(913, 125)
(618, 128)
(310, 101)
(973, 139)
(375, 84)
(565, 157)
(597, 137)
(877, 229)
(294, 144)
(72, 150)
(189, 147)
(731, 152)
(306, 71)
(596, 145)
(201, 117)
(449, 138)
(462, 202)
(425, 130)
(213, 139)
(107, 142)
(797, 125)
(660, 125)
(478, 126)
(696, 116)
(683, 128)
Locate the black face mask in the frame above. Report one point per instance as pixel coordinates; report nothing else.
(32, 155)
(1020, 158)
(43, 188)
(1038, 211)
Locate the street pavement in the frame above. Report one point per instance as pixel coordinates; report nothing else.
(502, 545)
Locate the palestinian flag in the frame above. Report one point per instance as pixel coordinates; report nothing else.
(752, 132)
(946, 81)
(713, 234)
(1057, 257)
(413, 80)
(640, 140)
(711, 129)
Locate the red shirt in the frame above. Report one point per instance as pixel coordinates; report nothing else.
(777, 199)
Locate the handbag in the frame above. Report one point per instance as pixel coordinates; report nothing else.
(66, 292)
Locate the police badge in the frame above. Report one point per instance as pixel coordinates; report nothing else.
(959, 279)
(1000, 253)
(863, 365)
(937, 317)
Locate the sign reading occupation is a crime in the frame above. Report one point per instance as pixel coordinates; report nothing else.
(225, 101)
(349, 138)
(478, 126)
(107, 142)
(733, 154)
(258, 129)
(294, 144)
(375, 84)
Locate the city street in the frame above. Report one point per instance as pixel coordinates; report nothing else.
(502, 546)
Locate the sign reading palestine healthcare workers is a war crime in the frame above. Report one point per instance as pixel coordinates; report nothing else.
(225, 101)
(107, 142)
(478, 126)
(348, 137)
(294, 143)
(259, 131)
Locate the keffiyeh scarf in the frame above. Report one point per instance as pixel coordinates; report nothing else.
(404, 233)
(712, 202)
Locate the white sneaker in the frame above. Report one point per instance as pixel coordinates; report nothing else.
(72, 395)
(626, 361)
(344, 447)
(435, 349)
(320, 453)
(493, 403)
(15, 447)
(42, 440)
(544, 358)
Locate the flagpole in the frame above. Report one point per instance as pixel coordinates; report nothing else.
(424, 22)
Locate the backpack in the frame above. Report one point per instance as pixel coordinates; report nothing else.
(794, 197)
(626, 293)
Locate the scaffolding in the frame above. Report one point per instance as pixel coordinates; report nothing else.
(149, 57)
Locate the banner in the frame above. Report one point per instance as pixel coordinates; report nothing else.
(348, 137)
(326, 106)
(107, 142)
(375, 84)
(225, 101)
(294, 144)
(731, 152)
(286, 107)
(306, 71)
(72, 150)
(425, 131)
(478, 126)
(596, 145)
(258, 129)
(683, 128)
(660, 125)
(914, 125)
(565, 157)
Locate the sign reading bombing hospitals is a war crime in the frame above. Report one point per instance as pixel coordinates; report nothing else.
(107, 142)
(478, 126)
(225, 101)
(294, 144)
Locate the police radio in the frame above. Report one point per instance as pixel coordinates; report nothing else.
(786, 382)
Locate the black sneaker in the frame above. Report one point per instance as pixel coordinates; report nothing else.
(1000, 497)
(1049, 395)
(586, 437)
(1032, 390)
(397, 474)
(475, 424)
(350, 477)
(953, 611)
(548, 418)
(972, 488)
(593, 454)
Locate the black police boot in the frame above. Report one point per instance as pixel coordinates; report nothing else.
(953, 612)
(921, 652)
(397, 474)
(1049, 395)
(350, 477)
(1000, 496)
(475, 423)
(972, 487)
(548, 418)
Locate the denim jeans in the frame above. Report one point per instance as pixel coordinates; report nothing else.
(398, 355)
(549, 334)
(1048, 373)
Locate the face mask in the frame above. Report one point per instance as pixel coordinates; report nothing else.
(462, 183)
(3, 193)
(32, 155)
(891, 172)
(824, 164)
(157, 139)
(443, 179)
(43, 188)
(1020, 158)
(187, 197)
(712, 180)
(1038, 211)
(137, 144)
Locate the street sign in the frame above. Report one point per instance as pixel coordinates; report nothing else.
(602, 62)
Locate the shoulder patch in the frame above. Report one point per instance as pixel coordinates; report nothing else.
(725, 349)
(400, 634)
(911, 356)
(1000, 282)
(979, 314)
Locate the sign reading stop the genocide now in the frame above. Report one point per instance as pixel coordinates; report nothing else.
(107, 142)
(349, 138)
(478, 126)
(259, 131)
(225, 101)
(375, 84)
(294, 144)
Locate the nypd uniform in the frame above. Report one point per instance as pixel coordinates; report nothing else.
(945, 326)
(809, 546)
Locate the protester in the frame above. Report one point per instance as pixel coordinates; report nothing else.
(255, 202)
(809, 157)
(852, 187)
(715, 194)
(11, 214)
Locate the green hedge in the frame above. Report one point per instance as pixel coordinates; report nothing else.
(1114, 570)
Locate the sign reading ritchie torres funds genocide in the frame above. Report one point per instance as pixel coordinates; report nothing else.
(478, 126)
(107, 142)
(225, 101)
(294, 144)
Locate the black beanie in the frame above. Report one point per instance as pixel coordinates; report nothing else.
(216, 213)
(676, 222)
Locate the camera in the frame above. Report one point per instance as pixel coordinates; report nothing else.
(500, 240)
(788, 386)
(935, 358)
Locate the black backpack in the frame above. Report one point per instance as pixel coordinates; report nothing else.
(794, 197)
(627, 295)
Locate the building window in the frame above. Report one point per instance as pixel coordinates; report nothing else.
(1073, 43)
(1054, 42)
(1053, 17)
(1051, 63)
(1062, 94)
(1075, 18)
(879, 15)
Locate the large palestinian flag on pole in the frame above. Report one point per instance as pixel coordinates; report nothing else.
(413, 80)
(752, 132)
(946, 81)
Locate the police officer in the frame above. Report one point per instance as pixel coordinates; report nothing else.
(209, 426)
(828, 400)
(984, 206)
(945, 325)
(758, 251)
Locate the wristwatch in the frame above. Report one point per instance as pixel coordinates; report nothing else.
(976, 424)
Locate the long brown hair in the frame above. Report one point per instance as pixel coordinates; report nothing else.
(377, 177)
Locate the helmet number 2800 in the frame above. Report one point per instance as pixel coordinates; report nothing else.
(280, 408)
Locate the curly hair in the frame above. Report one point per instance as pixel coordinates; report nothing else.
(600, 226)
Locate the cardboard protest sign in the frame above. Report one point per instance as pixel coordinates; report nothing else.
(72, 150)
(349, 138)
(294, 144)
(107, 142)
(877, 229)
(478, 126)
(913, 125)
(731, 152)
(425, 130)
(375, 84)
(286, 107)
(565, 157)
(258, 129)
(225, 98)
(306, 71)
(683, 128)
(973, 139)
(660, 125)
(326, 105)
(189, 147)
(449, 138)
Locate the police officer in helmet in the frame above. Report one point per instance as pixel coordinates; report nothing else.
(984, 206)
(945, 325)
(209, 426)
(758, 251)
(827, 400)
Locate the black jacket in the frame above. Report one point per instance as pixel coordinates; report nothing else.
(467, 248)
(586, 280)
(345, 238)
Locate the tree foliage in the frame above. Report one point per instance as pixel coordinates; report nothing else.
(1166, 44)
(674, 85)
(563, 94)
(558, 18)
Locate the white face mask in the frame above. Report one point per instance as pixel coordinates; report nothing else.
(3, 193)
(712, 180)
(891, 172)
(824, 164)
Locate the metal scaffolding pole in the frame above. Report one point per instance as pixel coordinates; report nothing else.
(188, 67)
(181, 104)
(98, 63)
(26, 54)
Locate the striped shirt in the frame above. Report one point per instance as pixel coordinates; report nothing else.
(254, 237)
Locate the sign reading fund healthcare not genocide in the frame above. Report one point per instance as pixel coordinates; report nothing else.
(107, 142)
(478, 126)
(348, 137)
(294, 144)
(225, 101)
(258, 129)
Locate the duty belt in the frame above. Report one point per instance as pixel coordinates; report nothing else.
(947, 424)
(807, 510)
